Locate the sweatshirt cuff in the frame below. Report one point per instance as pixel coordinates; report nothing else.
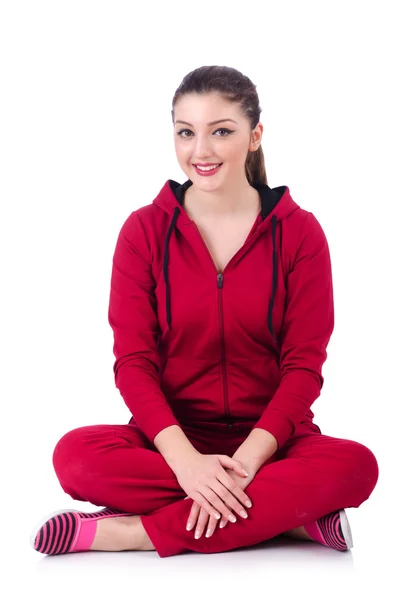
(277, 424)
(156, 423)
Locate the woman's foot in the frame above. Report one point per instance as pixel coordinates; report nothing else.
(299, 533)
(332, 530)
(121, 533)
(106, 530)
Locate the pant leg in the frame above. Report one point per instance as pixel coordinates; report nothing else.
(118, 467)
(115, 466)
(314, 475)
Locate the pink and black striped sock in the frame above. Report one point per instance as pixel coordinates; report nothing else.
(69, 531)
(332, 530)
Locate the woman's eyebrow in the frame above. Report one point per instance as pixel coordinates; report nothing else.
(209, 124)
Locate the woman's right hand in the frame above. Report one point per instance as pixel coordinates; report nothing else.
(204, 479)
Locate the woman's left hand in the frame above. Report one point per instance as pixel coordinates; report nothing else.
(201, 516)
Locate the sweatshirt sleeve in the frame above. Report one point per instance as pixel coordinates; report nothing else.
(132, 316)
(307, 328)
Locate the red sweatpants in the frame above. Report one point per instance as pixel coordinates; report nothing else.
(311, 475)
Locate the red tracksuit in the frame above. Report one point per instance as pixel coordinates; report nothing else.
(219, 354)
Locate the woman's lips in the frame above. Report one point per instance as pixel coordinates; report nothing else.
(207, 173)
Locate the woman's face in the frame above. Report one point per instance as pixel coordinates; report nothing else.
(198, 140)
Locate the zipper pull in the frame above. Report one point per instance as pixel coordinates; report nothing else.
(220, 280)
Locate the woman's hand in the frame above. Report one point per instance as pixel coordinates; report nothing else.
(204, 479)
(202, 517)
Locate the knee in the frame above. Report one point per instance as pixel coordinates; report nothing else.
(365, 468)
(68, 456)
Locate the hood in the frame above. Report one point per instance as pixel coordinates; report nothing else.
(276, 204)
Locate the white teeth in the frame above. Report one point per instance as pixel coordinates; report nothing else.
(207, 168)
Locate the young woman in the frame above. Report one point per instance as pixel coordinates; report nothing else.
(221, 305)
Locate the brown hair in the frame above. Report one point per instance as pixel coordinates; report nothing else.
(233, 86)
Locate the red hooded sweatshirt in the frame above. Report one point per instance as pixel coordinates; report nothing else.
(243, 346)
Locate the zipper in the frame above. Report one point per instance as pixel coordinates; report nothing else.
(223, 350)
(220, 277)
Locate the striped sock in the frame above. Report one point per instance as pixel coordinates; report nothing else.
(69, 531)
(332, 530)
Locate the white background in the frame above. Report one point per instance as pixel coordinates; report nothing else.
(86, 138)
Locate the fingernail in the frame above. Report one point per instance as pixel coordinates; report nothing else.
(248, 503)
(232, 518)
(243, 514)
(208, 533)
(222, 525)
(197, 534)
(189, 526)
(245, 472)
(217, 515)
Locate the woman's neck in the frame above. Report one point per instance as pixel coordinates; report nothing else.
(203, 205)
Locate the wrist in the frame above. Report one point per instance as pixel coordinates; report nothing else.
(175, 461)
(256, 449)
(248, 462)
(174, 446)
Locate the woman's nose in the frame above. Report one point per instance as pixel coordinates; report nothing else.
(202, 148)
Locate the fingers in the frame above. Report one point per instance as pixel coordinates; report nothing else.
(229, 483)
(232, 463)
(229, 498)
(215, 501)
(203, 517)
(205, 522)
(223, 522)
(192, 518)
(211, 526)
(202, 522)
(203, 502)
(219, 498)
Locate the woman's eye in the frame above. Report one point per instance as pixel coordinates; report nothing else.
(228, 131)
(182, 131)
